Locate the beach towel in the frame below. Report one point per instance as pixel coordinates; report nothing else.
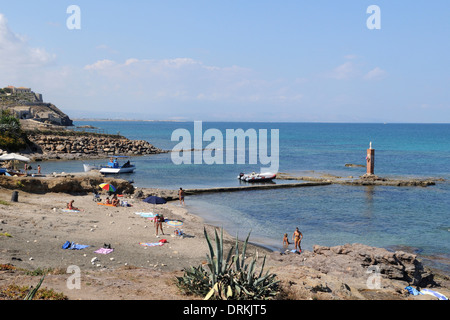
(433, 293)
(104, 251)
(413, 291)
(145, 214)
(69, 210)
(153, 244)
(105, 204)
(74, 246)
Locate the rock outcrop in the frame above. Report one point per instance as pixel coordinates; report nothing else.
(352, 271)
(68, 183)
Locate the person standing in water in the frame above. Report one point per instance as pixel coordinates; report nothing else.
(181, 195)
(286, 242)
(297, 237)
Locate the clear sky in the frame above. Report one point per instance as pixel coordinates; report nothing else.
(243, 60)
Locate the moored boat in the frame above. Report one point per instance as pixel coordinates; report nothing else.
(257, 177)
(114, 167)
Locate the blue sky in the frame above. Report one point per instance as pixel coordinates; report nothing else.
(233, 60)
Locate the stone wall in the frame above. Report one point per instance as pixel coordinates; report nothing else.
(54, 146)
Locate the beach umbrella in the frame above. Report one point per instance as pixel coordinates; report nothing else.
(155, 200)
(174, 223)
(108, 187)
(14, 157)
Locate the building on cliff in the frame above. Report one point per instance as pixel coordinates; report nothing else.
(26, 104)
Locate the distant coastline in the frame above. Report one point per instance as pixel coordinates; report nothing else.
(125, 120)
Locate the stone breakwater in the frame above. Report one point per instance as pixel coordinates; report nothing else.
(89, 146)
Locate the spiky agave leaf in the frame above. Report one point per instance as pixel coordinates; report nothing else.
(33, 292)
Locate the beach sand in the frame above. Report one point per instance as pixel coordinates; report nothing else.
(39, 228)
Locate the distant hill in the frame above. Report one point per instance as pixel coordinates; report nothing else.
(26, 104)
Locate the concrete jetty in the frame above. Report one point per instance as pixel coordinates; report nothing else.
(255, 187)
(171, 195)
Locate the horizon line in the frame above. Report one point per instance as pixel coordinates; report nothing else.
(185, 120)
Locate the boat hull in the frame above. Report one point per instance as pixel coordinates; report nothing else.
(107, 170)
(260, 177)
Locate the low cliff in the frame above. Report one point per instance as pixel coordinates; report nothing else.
(71, 184)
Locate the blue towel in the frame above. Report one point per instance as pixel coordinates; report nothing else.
(74, 246)
(413, 291)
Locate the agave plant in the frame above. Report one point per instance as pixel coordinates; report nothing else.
(33, 291)
(229, 277)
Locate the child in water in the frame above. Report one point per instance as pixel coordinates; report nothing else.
(285, 241)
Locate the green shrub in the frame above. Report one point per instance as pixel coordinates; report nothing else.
(229, 277)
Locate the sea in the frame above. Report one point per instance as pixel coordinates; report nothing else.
(413, 219)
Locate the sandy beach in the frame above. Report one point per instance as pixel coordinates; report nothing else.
(38, 228)
(34, 229)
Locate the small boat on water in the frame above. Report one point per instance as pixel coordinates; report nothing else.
(114, 167)
(257, 177)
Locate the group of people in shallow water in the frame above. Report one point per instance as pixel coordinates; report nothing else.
(297, 237)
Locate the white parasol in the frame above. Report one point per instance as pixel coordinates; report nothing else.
(14, 157)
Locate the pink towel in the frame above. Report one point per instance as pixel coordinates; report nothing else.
(104, 251)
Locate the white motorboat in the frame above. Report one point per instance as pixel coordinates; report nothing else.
(114, 167)
(257, 177)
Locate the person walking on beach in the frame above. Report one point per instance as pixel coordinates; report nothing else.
(297, 237)
(181, 195)
(39, 169)
(158, 220)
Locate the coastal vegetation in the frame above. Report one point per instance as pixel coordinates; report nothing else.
(229, 278)
(12, 137)
(17, 292)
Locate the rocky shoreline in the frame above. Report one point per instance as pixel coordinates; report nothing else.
(84, 146)
(356, 272)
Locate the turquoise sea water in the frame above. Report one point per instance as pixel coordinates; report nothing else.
(391, 217)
